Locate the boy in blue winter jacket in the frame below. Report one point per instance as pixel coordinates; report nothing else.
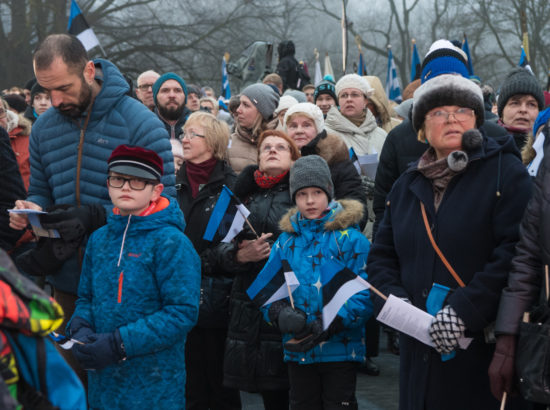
(138, 292)
(322, 363)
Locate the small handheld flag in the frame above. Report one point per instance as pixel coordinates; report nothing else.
(524, 61)
(79, 27)
(275, 281)
(354, 160)
(227, 218)
(226, 90)
(393, 91)
(63, 341)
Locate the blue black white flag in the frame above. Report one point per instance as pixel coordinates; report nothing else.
(466, 49)
(63, 341)
(415, 64)
(524, 61)
(354, 160)
(274, 281)
(393, 91)
(226, 90)
(227, 218)
(338, 285)
(362, 67)
(79, 27)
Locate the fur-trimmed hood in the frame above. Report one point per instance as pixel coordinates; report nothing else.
(343, 214)
(330, 147)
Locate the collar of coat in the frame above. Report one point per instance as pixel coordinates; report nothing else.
(350, 214)
(330, 147)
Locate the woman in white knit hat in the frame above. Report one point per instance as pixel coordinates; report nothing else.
(352, 120)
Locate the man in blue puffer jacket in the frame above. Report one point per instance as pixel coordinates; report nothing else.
(69, 145)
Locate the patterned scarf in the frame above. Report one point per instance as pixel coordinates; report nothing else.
(438, 171)
(266, 182)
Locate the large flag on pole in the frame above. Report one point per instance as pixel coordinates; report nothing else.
(361, 68)
(79, 27)
(227, 218)
(274, 281)
(393, 91)
(344, 24)
(338, 284)
(466, 49)
(415, 63)
(524, 61)
(226, 90)
(328, 66)
(318, 73)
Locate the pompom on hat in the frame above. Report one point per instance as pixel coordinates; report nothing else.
(136, 161)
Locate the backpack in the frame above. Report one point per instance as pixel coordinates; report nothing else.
(46, 381)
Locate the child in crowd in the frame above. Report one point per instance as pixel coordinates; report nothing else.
(318, 233)
(138, 292)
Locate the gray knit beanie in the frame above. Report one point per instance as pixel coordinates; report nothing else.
(263, 97)
(447, 89)
(519, 81)
(310, 171)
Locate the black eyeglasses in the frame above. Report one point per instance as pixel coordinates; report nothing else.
(136, 184)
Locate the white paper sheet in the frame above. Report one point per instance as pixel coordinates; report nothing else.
(368, 164)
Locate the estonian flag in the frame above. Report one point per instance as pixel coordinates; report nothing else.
(63, 341)
(415, 64)
(227, 218)
(362, 68)
(393, 91)
(355, 160)
(338, 285)
(466, 49)
(524, 62)
(226, 90)
(79, 27)
(273, 282)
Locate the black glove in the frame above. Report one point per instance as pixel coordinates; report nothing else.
(79, 329)
(314, 334)
(99, 350)
(41, 260)
(74, 223)
(292, 320)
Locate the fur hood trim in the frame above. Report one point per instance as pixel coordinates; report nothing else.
(332, 149)
(350, 215)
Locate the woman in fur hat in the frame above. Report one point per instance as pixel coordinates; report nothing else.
(468, 193)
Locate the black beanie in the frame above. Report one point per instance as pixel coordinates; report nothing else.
(519, 81)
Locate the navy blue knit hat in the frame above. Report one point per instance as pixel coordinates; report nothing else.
(325, 87)
(443, 58)
(162, 79)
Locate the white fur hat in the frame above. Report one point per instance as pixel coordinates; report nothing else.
(285, 102)
(354, 81)
(309, 110)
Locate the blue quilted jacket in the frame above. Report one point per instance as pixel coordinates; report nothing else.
(116, 119)
(306, 244)
(152, 297)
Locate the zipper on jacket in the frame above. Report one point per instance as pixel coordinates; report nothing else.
(120, 282)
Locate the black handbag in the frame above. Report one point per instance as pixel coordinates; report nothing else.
(533, 350)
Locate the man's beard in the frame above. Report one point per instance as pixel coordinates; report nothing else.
(84, 100)
(171, 114)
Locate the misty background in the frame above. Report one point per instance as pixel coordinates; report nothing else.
(190, 37)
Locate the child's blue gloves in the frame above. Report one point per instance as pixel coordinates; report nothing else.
(79, 329)
(100, 350)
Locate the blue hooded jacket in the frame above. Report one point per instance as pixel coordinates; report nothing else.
(141, 275)
(306, 244)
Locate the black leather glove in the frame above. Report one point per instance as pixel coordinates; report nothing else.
(79, 329)
(292, 320)
(75, 222)
(314, 334)
(42, 260)
(99, 350)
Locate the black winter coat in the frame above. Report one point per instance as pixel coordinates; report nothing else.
(254, 350)
(11, 189)
(214, 302)
(532, 254)
(400, 149)
(347, 182)
(476, 228)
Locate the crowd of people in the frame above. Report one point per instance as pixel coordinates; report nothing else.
(157, 315)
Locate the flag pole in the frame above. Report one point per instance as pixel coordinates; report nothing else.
(290, 295)
(503, 402)
(378, 292)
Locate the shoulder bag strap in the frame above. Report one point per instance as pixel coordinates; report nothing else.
(436, 248)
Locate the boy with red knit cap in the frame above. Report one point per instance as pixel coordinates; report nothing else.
(138, 292)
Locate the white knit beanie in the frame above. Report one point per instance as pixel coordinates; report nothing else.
(308, 110)
(285, 102)
(354, 81)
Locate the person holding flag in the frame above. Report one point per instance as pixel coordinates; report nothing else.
(204, 142)
(253, 358)
(323, 322)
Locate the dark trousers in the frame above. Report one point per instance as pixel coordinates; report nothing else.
(372, 337)
(275, 399)
(204, 364)
(323, 386)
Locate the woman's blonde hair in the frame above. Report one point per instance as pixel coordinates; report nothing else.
(216, 132)
(421, 135)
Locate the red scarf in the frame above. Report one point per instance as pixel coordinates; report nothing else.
(266, 182)
(198, 174)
